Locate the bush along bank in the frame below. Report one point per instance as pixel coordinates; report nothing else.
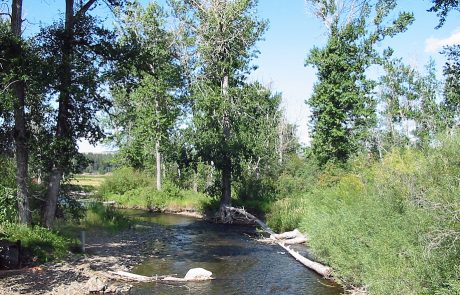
(133, 189)
(391, 226)
(37, 244)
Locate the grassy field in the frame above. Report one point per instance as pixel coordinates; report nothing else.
(89, 182)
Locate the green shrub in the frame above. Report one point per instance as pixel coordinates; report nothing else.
(391, 226)
(39, 243)
(8, 204)
(123, 180)
(170, 197)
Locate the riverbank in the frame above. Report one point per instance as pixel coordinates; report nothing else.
(170, 244)
(78, 274)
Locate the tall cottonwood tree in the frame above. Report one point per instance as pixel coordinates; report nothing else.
(452, 85)
(397, 97)
(225, 33)
(147, 87)
(75, 46)
(343, 109)
(14, 89)
(410, 104)
(452, 66)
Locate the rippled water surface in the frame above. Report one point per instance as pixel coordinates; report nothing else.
(239, 264)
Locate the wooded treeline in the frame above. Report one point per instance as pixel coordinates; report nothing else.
(169, 87)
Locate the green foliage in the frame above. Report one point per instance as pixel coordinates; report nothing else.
(146, 86)
(298, 175)
(225, 33)
(254, 116)
(100, 216)
(133, 189)
(452, 84)
(409, 98)
(75, 67)
(342, 106)
(442, 9)
(391, 226)
(99, 163)
(8, 204)
(170, 198)
(39, 243)
(123, 180)
(68, 208)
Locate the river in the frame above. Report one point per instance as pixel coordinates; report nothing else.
(239, 264)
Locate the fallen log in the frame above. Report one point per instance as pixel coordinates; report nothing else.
(131, 277)
(294, 241)
(315, 266)
(318, 267)
(287, 235)
(193, 275)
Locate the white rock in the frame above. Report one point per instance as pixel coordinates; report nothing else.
(95, 285)
(198, 274)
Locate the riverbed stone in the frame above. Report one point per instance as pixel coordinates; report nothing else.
(198, 274)
(95, 285)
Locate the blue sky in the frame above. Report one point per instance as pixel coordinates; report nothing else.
(292, 32)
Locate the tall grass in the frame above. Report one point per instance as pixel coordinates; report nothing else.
(392, 226)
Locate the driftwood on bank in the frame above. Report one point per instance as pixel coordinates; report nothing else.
(193, 275)
(287, 238)
(295, 237)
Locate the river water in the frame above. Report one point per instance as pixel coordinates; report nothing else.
(240, 265)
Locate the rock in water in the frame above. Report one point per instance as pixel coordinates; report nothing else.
(196, 274)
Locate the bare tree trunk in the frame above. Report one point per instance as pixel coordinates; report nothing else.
(281, 131)
(227, 161)
(20, 134)
(62, 128)
(158, 159)
(195, 181)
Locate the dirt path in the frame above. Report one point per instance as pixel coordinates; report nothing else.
(80, 274)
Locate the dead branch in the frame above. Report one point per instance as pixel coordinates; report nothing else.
(8, 86)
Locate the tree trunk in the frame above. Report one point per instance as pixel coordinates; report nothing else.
(158, 160)
(63, 136)
(54, 187)
(195, 181)
(227, 161)
(226, 184)
(281, 141)
(20, 134)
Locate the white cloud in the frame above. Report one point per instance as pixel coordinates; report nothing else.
(434, 44)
